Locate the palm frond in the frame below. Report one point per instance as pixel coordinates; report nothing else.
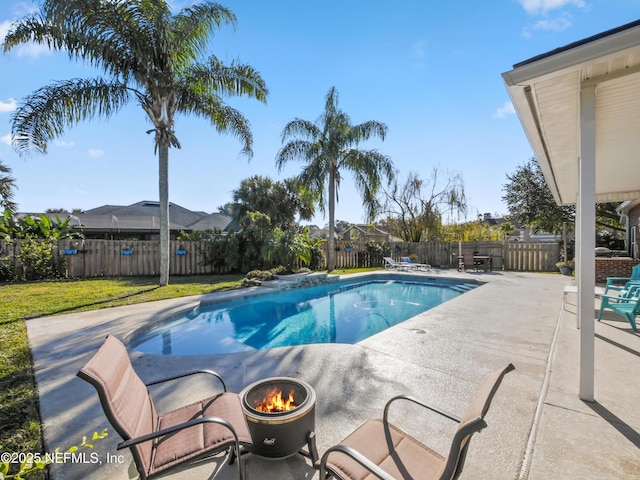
(301, 150)
(366, 130)
(301, 128)
(193, 26)
(43, 115)
(369, 168)
(223, 118)
(236, 79)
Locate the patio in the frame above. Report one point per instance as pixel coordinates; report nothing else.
(439, 356)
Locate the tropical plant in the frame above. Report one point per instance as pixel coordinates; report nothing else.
(37, 226)
(282, 201)
(148, 55)
(287, 248)
(7, 187)
(328, 147)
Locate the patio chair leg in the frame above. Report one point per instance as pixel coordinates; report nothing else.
(313, 449)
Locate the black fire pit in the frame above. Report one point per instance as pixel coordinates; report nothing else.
(280, 433)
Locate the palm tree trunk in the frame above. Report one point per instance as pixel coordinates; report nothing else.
(332, 213)
(163, 161)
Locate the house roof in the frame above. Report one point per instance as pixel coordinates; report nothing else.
(214, 221)
(145, 216)
(122, 223)
(177, 214)
(580, 108)
(546, 93)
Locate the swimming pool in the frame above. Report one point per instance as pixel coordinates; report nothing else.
(343, 312)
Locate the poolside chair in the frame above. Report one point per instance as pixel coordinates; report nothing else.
(160, 442)
(378, 449)
(635, 276)
(391, 264)
(626, 304)
(468, 262)
(419, 266)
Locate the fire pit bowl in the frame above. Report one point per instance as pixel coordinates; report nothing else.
(280, 412)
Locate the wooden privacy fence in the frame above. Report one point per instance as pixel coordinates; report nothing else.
(118, 258)
(515, 256)
(115, 258)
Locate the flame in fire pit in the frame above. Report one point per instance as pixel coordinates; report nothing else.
(275, 402)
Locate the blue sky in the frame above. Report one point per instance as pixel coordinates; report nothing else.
(430, 70)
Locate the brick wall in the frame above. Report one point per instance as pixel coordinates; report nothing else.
(614, 267)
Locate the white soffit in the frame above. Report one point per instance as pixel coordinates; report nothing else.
(545, 92)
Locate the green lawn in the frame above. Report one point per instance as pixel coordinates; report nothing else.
(20, 429)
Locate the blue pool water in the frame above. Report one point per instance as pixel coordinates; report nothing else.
(336, 313)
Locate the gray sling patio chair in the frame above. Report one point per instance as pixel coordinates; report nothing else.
(160, 442)
(378, 449)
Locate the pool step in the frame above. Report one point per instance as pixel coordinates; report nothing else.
(465, 287)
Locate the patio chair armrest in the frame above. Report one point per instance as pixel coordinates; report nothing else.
(194, 372)
(174, 428)
(617, 298)
(409, 398)
(357, 457)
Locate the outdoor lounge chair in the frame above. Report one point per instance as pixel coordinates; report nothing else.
(635, 276)
(378, 449)
(626, 304)
(160, 442)
(468, 262)
(419, 266)
(390, 263)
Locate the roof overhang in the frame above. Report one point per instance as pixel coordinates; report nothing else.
(546, 91)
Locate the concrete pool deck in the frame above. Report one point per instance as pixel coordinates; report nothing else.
(439, 356)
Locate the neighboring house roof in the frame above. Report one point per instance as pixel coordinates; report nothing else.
(122, 223)
(218, 221)
(177, 214)
(371, 231)
(144, 217)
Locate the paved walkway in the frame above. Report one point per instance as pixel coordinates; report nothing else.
(441, 356)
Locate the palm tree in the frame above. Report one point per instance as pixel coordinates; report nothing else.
(328, 146)
(148, 55)
(7, 186)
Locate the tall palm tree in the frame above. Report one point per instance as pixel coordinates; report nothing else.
(148, 55)
(328, 146)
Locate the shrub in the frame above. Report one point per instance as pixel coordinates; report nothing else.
(263, 275)
(38, 260)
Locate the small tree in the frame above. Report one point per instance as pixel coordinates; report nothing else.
(415, 209)
(531, 203)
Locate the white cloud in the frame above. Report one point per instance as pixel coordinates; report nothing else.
(94, 152)
(63, 144)
(535, 7)
(6, 139)
(506, 109)
(8, 106)
(554, 24)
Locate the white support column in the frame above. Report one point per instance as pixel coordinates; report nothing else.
(586, 209)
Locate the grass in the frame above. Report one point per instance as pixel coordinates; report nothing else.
(20, 425)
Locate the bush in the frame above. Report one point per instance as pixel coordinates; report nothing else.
(263, 275)
(38, 260)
